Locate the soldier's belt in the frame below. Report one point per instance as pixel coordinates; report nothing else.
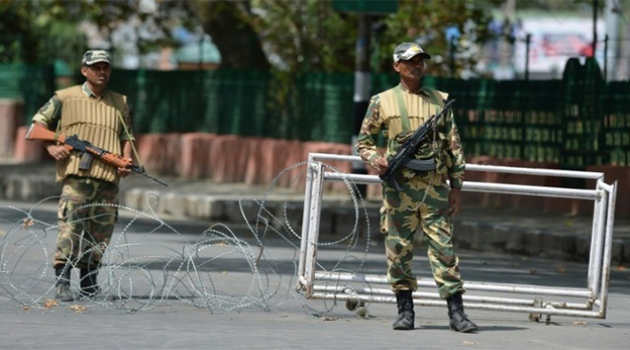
(420, 164)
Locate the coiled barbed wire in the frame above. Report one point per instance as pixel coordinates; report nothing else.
(218, 269)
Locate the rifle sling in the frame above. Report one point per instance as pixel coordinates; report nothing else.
(402, 108)
(434, 99)
(133, 147)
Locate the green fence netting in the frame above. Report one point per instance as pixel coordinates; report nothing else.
(577, 121)
(32, 85)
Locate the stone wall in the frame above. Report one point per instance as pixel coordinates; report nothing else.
(11, 112)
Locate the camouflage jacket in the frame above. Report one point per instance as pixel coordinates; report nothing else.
(384, 115)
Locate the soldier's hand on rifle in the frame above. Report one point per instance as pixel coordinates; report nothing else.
(381, 165)
(123, 172)
(59, 152)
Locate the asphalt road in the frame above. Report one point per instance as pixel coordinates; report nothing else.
(176, 285)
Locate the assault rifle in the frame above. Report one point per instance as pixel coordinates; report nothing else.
(88, 151)
(405, 153)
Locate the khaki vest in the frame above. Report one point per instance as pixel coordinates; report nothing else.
(97, 121)
(420, 108)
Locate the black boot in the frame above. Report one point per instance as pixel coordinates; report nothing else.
(459, 322)
(89, 284)
(62, 285)
(406, 315)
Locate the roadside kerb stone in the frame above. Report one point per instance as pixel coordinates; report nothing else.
(141, 200)
(617, 250)
(172, 204)
(204, 207)
(532, 242)
(583, 248)
(344, 219)
(32, 188)
(288, 214)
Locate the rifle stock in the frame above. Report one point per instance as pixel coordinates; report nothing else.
(39, 132)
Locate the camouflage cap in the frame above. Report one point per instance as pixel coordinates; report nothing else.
(406, 51)
(93, 56)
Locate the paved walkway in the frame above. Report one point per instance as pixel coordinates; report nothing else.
(477, 228)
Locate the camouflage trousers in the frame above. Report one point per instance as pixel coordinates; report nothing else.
(401, 215)
(87, 214)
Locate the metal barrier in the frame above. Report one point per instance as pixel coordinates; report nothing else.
(314, 283)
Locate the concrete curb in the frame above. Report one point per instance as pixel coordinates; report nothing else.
(28, 188)
(499, 234)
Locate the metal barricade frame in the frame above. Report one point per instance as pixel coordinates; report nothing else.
(595, 293)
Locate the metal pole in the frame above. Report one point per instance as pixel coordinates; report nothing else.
(452, 56)
(468, 298)
(578, 174)
(606, 57)
(610, 223)
(599, 209)
(486, 187)
(612, 12)
(313, 228)
(528, 39)
(362, 88)
(310, 173)
(595, 4)
(201, 53)
(372, 279)
(547, 310)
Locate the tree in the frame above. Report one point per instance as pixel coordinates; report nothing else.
(294, 35)
(30, 33)
(308, 35)
(230, 24)
(426, 22)
(153, 23)
(37, 31)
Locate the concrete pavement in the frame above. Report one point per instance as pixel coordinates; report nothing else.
(172, 322)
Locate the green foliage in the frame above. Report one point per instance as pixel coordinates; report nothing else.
(426, 21)
(297, 36)
(303, 36)
(307, 35)
(230, 24)
(40, 31)
(558, 5)
(153, 26)
(30, 34)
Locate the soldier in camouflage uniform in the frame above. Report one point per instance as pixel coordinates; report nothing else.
(425, 201)
(88, 205)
